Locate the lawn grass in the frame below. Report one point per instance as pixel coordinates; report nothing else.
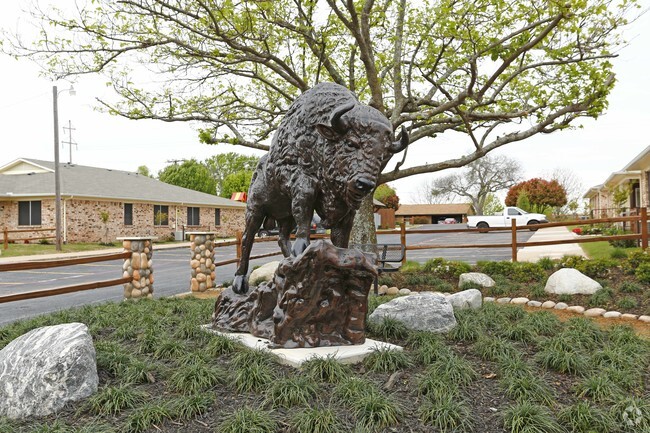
(601, 250)
(162, 377)
(19, 249)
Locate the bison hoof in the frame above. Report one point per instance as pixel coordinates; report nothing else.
(240, 285)
(299, 246)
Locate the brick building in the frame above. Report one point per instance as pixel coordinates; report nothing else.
(136, 205)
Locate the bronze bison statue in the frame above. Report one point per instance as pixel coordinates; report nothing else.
(326, 156)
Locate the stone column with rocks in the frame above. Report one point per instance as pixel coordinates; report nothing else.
(138, 267)
(202, 264)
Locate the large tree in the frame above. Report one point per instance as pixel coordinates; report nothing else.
(224, 164)
(236, 182)
(540, 194)
(478, 180)
(190, 174)
(496, 72)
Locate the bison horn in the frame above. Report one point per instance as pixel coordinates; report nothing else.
(335, 118)
(400, 145)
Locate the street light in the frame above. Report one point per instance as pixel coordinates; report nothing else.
(57, 174)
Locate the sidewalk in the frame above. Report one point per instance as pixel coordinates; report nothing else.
(532, 254)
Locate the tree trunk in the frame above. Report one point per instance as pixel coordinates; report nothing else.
(363, 230)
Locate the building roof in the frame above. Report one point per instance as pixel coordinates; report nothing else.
(434, 209)
(79, 181)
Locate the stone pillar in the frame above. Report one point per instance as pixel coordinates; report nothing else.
(201, 261)
(138, 267)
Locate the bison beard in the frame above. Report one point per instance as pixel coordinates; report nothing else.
(326, 156)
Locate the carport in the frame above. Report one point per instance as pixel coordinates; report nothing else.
(433, 213)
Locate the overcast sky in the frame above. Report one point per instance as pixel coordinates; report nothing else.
(26, 126)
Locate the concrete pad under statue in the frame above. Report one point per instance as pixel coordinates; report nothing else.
(296, 357)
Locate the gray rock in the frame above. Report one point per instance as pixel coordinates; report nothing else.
(561, 306)
(476, 278)
(420, 311)
(46, 368)
(404, 292)
(534, 304)
(571, 282)
(264, 273)
(505, 300)
(519, 301)
(471, 298)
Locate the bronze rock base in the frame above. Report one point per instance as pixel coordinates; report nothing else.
(319, 298)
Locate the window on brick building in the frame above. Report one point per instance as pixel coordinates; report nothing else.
(192, 216)
(160, 215)
(29, 213)
(217, 217)
(128, 214)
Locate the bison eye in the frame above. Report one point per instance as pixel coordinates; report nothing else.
(353, 143)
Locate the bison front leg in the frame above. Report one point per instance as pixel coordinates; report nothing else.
(254, 221)
(340, 234)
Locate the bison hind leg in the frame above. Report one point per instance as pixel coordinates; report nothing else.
(285, 226)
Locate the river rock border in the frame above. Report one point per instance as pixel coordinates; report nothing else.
(549, 305)
(138, 267)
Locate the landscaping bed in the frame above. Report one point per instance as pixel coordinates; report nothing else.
(502, 369)
(625, 281)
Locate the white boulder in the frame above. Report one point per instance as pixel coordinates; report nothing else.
(44, 369)
(571, 282)
(424, 311)
(479, 278)
(264, 273)
(471, 298)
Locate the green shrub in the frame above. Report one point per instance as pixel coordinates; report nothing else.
(596, 268)
(642, 273)
(546, 263)
(446, 268)
(627, 303)
(571, 261)
(630, 287)
(635, 259)
(601, 297)
(526, 272)
(495, 268)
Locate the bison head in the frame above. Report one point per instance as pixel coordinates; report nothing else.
(360, 138)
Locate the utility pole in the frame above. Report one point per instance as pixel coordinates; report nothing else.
(70, 143)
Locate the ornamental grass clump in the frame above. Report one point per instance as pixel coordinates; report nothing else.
(326, 369)
(524, 387)
(148, 415)
(248, 420)
(288, 392)
(493, 348)
(219, 345)
(376, 411)
(527, 417)
(386, 359)
(114, 399)
(388, 329)
(542, 323)
(598, 387)
(447, 414)
(632, 414)
(190, 406)
(192, 378)
(352, 388)
(453, 369)
(583, 417)
(316, 420)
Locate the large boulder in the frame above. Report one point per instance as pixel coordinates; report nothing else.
(482, 280)
(571, 282)
(264, 273)
(46, 368)
(471, 298)
(424, 311)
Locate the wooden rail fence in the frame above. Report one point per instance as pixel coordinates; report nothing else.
(6, 240)
(4, 267)
(642, 236)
